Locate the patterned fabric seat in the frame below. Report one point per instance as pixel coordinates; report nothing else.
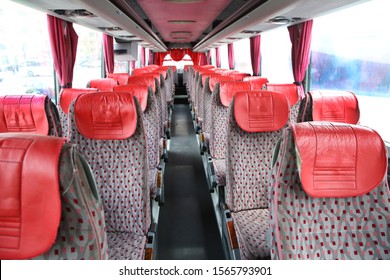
(329, 197)
(34, 114)
(108, 129)
(53, 209)
(292, 94)
(256, 120)
(67, 95)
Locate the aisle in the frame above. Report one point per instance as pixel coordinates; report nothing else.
(187, 225)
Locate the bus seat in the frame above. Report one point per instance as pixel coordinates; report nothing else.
(67, 95)
(121, 78)
(330, 105)
(103, 84)
(52, 209)
(292, 94)
(256, 121)
(148, 102)
(140, 71)
(329, 197)
(28, 113)
(239, 76)
(257, 83)
(108, 129)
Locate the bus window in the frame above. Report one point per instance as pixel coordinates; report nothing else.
(242, 56)
(349, 53)
(25, 57)
(276, 56)
(223, 51)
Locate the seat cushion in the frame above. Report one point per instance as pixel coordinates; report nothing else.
(251, 228)
(126, 245)
(220, 171)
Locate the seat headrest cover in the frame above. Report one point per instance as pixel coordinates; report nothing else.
(227, 89)
(335, 106)
(256, 82)
(140, 71)
(160, 72)
(289, 90)
(121, 78)
(144, 80)
(339, 160)
(105, 115)
(30, 203)
(103, 84)
(239, 76)
(23, 113)
(69, 94)
(216, 78)
(139, 91)
(260, 110)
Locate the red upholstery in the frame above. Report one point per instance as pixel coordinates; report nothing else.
(207, 74)
(137, 90)
(105, 115)
(325, 172)
(218, 78)
(121, 78)
(30, 207)
(140, 71)
(335, 106)
(146, 79)
(69, 94)
(239, 76)
(208, 66)
(289, 90)
(23, 113)
(257, 111)
(227, 89)
(160, 72)
(187, 67)
(256, 82)
(103, 84)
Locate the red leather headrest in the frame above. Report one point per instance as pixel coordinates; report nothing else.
(121, 78)
(23, 113)
(289, 90)
(139, 91)
(335, 106)
(187, 67)
(216, 78)
(140, 71)
(160, 72)
(69, 94)
(256, 82)
(145, 79)
(239, 76)
(227, 89)
(338, 159)
(260, 110)
(103, 84)
(30, 204)
(105, 115)
(208, 66)
(206, 74)
(153, 66)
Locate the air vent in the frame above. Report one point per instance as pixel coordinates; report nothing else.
(181, 21)
(74, 13)
(127, 36)
(250, 32)
(110, 29)
(183, 1)
(283, 20)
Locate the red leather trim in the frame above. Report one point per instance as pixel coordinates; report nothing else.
(258, 111)
(139, 91)
(256, 82)
(23, 113)
(30, 208)
(335, 106)
(106, 115)
(239, 76)
(140, 71)
(145, 79)
(69, 94)
(103, 84)
(227, 89)
(289, 90)
(339, 160)
(121, 78)
(160, 72)
(218, 78)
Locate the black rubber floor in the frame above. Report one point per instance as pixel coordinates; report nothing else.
(187, 227)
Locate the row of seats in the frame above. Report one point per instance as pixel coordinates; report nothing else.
(109, 172)
(253, 152)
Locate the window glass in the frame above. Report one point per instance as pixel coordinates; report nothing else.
(223, 52)
(168, 61)
(26, 64)
(242, 56)
(276, 56)
(89, 59)
(350, 51)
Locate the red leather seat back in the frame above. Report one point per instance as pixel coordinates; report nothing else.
(239, 76)
(103, 84)
(146, 79)
(336, 160)
(30, 207)
(121, 78)
(257, 83)
(140, 71)
(23, 113)
(137, 90)
(257, 111)
(227, 90)
(105, 115)
(335, 106)
(67, 95)
(215, 78)
(289, 90)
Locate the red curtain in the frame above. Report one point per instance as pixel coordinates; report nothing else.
(177, 55)
(132, 65)
(231, 56)
(143, 59)
(151, 58)
(108, 47)
(300, 36)
(63, 43)
(218, 57)
(208, 58)
(203, 59)
(255, 54)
